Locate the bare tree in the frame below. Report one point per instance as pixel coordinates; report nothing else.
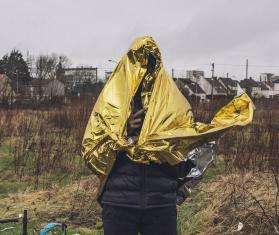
(46, 66)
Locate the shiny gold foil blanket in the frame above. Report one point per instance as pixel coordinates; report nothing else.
(168, 132)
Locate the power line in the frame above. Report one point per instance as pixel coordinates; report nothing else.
(235, 65)
(250, 65)
(246, 69)
(272, 66)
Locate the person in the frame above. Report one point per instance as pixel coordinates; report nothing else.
(141, 198)
(139, 132)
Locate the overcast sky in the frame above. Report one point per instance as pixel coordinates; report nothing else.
(191, 34)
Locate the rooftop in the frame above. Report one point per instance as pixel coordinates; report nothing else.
(248, 82)
(228, 81)
(269, 83)
(216, 84)
(193, 86)
(263, 86)
(274, 78)
(80, 68)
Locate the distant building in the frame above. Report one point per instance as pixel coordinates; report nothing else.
(271, 82)
(252, 87)
(190, 89)
(259, 89)
(274, 78)
(265, 92)
(276, 88)
(79, 75)
(194, 75)
(230, 85)
(46, 89)
(212, 87)
(268, 77)
(264, 77)
(194, 89)
(54, 89)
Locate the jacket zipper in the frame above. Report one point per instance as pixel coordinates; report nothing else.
(143, 188)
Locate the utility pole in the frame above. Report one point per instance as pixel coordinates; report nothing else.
(16, 80)
(196, 92)
(212, 70)
(227, 88)
(247, 68)
(172, 73)
(96, 74)
(212, 79)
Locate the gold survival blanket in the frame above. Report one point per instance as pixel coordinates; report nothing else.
(169, 131)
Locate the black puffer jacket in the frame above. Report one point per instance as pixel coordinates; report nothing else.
(131, 184)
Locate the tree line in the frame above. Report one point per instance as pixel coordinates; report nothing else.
(16, 67)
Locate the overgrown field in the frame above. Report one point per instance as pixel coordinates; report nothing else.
(41, 170)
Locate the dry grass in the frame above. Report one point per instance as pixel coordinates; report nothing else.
(220, 204)
(73, 204)
(44, 162)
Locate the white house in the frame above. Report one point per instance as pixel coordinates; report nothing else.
(194, 75)
(45, 89)
(256, 89)
(230, 85)
(250, 86)
(211, 86)
(273, 86)
(266, 77)
(80, 75)
(271, 82)
(194, 89)
(265, 92)
(276, 88)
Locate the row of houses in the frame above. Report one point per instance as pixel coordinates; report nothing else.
(76, 81)
(197, 85)
(72, 81)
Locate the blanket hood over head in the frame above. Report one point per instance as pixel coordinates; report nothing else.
(169, 131)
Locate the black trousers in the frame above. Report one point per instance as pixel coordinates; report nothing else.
(129, 221)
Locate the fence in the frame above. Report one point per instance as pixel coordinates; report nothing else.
(24, 222)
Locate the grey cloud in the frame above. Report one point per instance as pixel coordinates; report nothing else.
(188, 32)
